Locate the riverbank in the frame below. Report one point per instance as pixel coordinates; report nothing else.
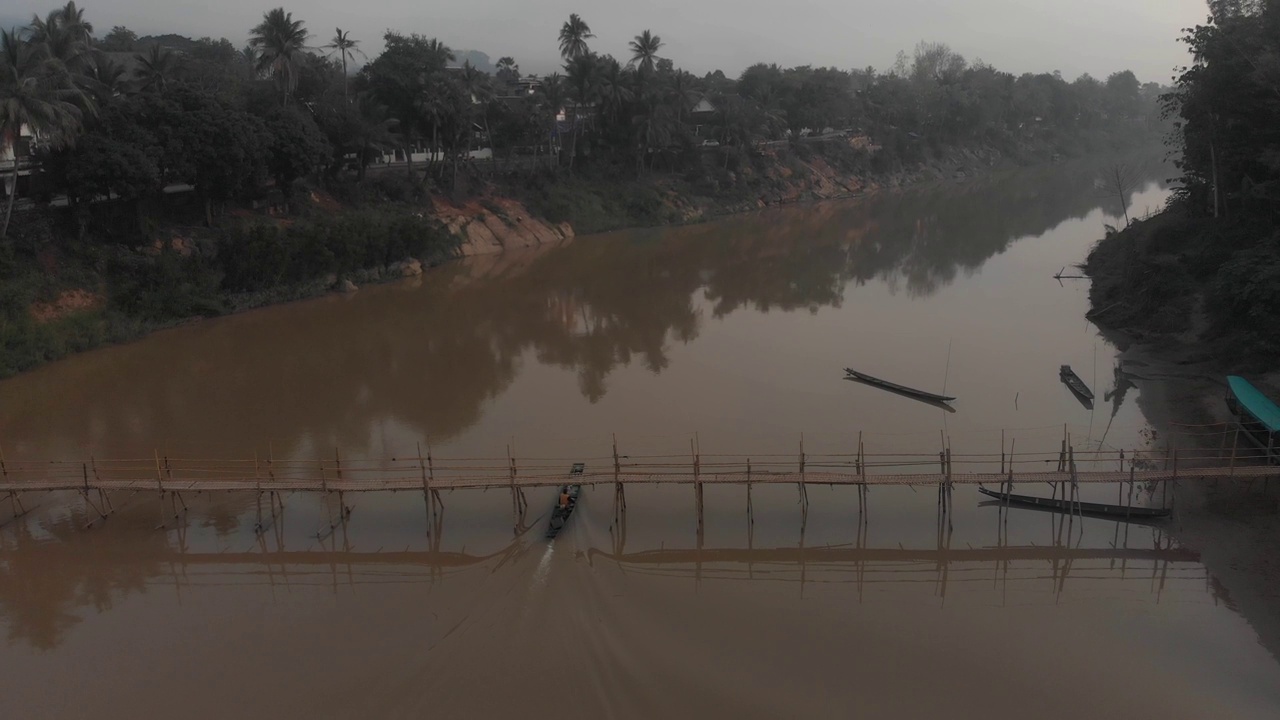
(1233, 525)
(66, 291)
(776, 174)
(1191, 300)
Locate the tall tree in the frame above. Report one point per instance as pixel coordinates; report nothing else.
(644, 51)
(36, 96)
(583, 73)
(66, 36)
(681, 93)
(280, 41)
(614, 88)
(404, 77)
(508, 70)
(573, 37)
(475, 85)
(119, 39)
(296, 148)
(155, 68)
(552, 96)
(347, 48)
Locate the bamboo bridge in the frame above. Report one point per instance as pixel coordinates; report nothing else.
(1064, 470)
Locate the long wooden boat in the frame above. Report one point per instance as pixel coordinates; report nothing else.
(1073, 381)
(1256, 415)
(1114, 512)
(560, 515)
(894, 387)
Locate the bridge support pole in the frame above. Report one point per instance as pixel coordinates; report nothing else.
(1002, 452)
(1234, 444)
(1075, 483)
(619, 495)
(515, 498)
(804, 489)
(862, 476)
(751, 517)
(274, 496)
(344, 510)
(16, 502)
(1129, 506)
(84, 468)
(697, 483)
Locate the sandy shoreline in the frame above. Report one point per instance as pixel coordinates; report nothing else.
(1234, 526)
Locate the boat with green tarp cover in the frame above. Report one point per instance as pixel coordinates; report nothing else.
(1257, 415)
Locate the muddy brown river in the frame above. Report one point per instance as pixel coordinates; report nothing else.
(734, 332)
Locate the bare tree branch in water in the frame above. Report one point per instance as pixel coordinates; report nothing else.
(1121, 180)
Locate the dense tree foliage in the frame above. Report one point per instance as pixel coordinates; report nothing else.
(1215, 254)
(601, 115)
(143, 138)
(1227, 103)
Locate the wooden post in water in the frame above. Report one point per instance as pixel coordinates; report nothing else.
(159, 475)
(750, 510)
(1062, 454)
(160, 488)
(426, 484)
(804, 490)
(862, 473)
(1074, 502)
(1120, 485)
(1129, 506)
(103, 497)
(619, 500)
(1234, 443)
(697, 483)
(271, 473)
(1002, 452)
(1013, 446)
(176, 495)
(431, 475)
(857, 463)
(949, 484)
(515, 502)
(342, 502)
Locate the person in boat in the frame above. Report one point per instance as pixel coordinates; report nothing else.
(564, 498)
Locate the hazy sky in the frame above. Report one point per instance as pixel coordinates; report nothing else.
(1074, 36)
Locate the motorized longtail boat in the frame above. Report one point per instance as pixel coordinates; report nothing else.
(569, 493)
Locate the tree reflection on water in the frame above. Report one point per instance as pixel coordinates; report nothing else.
(430, 354)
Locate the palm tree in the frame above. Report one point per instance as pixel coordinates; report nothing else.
(508, 70)
(644, 51)
(155, 68)
(342, 44)
(109, 78)
(681, 93)
(252, 56)
(35, 95)
(371, 128)
(66, 36)
(573, 37)
(553, 94)
(281, 40)
(583, 73)
(613, 87)
(652, 131)
(475, 85)
(441, 54)
(72, 22)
